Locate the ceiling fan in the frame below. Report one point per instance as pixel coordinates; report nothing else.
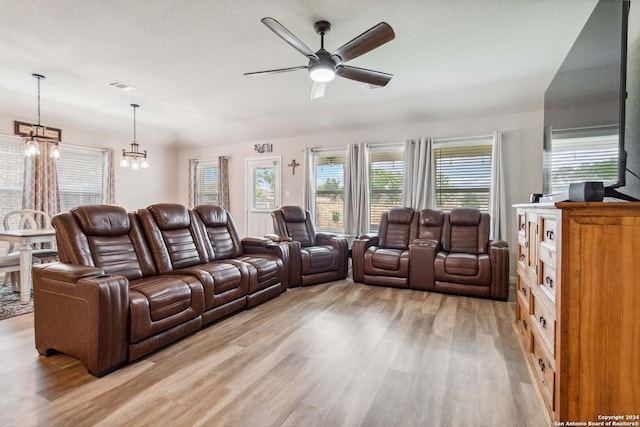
(324, 66)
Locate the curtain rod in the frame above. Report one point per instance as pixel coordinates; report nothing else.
(462, 138)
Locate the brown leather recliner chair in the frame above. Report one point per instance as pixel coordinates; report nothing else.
(320, 257)
(463, 260)
(384, 259)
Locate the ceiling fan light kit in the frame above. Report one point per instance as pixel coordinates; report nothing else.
(324, 66)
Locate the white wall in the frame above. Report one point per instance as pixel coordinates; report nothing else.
(522, 142)
(134, 189)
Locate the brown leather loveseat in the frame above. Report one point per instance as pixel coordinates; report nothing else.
(438, 251)
(131, 283)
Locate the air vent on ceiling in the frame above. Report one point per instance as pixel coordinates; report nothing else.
(120, 85)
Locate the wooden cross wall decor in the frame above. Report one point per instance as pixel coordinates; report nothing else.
(293, 165)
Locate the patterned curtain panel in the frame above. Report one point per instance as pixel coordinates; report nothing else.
(223, 183)
(41, 182)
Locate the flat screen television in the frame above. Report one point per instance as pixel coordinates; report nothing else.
(590, 124)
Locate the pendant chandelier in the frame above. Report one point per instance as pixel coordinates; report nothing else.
(134, 158)
(31, 147)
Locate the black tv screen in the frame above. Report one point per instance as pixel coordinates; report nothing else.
(585, 110)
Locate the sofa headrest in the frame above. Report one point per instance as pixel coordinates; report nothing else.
(400, 215)
(294, 214)
(431, 218)
(464, 216)
(170, 216)
(212, 216)
(102, 220)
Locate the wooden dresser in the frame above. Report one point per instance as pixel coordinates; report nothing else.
(578, 307)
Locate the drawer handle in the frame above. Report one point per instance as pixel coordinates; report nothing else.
(549, 281)
(522, 257)
(524, 324)
(524, 291)
(543, 322)
(522, 226)
(526, 244)
(541, 365)
(550, 234)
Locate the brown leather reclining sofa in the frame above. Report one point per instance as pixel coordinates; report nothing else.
(131, 283)
(437, 251)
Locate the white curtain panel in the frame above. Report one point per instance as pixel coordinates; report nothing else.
(356, 191)
(309, 179)
(497, 197)
(419, 187)
(193, 164)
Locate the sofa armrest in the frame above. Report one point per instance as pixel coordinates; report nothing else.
(324, 238)
(81, 312)
(499, 256)
(341, 244)
(257, 245)
(422, 254)
(278, 238)
(358, 248)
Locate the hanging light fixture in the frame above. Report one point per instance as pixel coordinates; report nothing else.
(134, 159)
(37, 133)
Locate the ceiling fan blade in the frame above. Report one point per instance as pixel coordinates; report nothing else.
(363, 75)
(317, 90)
(277, 70)
(372, 38)
(287, 36)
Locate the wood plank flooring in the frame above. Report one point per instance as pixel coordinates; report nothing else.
(337, 354)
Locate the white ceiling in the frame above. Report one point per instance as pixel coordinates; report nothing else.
(187, 59)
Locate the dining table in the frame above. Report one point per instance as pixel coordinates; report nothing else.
(26, 238)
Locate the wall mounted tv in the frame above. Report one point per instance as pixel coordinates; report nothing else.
(591, 126)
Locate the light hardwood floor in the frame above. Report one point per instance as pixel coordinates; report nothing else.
(327, 355)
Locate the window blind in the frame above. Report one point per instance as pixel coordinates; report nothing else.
(463, 173)
(81, 177)
(583, 159)
(207, 183)
(329, 192)
(386, 172)
(11, 174)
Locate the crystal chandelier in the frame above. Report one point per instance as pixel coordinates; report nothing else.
(37, 133)
(134, 158)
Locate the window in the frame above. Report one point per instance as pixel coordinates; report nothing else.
(579, 159)
(463, 173)
(329, 168)
(263, 180)
(82, 176)
(207, 183)
(386, 172)
(11, 174)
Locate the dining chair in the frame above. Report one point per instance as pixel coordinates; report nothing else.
(31, 219)
(10, 262)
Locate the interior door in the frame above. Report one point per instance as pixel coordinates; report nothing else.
(263, 194)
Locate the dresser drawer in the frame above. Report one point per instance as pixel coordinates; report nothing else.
(522, 223)
(523, 290)
(522, 323)
(544, 320)
(545, 374)
(548, 279)
(549, 232)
